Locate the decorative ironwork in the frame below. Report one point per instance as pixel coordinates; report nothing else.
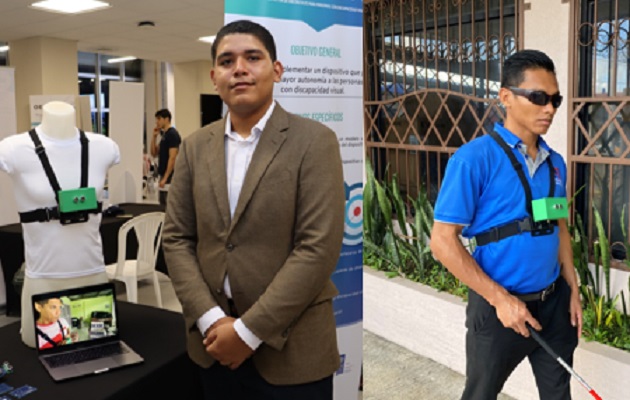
(599, 140)
(433, 72)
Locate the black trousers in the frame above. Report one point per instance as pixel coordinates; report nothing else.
(163, 194)
(245, 383)
(493, 351)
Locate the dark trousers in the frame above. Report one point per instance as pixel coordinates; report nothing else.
(245, 383)
(163, 195)
(493, 352)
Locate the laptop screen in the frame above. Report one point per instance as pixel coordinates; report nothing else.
(74, 317)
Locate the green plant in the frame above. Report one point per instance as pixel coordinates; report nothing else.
(602, 253)
(379, 241)
(373, 218)
(400, 247)
(579, 244)
(602, 320)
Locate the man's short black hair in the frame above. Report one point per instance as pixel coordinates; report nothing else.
(163, 113)
(515, 66)
(249, 28)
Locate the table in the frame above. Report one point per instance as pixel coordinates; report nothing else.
(157, 335)
(12, 247)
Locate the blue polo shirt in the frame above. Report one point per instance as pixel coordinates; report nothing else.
(481, 191)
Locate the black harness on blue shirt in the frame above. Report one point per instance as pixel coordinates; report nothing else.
(526, 224)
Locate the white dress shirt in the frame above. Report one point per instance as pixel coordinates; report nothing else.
(238, 155)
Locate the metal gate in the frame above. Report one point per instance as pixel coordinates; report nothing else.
(599, 140)
(433, 72)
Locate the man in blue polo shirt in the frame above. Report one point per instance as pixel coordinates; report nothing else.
(521, 272)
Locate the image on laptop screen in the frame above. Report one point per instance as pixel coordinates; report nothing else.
(74, 319)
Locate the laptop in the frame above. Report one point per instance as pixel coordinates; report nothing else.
(77, 332)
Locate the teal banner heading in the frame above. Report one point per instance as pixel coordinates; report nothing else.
(319, 14)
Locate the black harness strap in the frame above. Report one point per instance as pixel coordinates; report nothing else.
(85, 158)
(48, 339)
(518, 167)
(50, 174)
(46, 214)
(527, 224)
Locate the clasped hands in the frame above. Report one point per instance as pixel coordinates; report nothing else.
(225, 345)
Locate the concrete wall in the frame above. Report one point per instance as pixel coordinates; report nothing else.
(42, 66)
(431, 324)
(152, 78)
(192, 79)
(546, 28)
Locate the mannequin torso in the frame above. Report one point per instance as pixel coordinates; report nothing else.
(58, 120)
(57, 256)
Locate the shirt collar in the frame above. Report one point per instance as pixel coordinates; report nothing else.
(256, 130)
(512, 140)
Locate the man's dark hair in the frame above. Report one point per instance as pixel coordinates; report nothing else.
(163, 113)
(249, 28)
(515, 66)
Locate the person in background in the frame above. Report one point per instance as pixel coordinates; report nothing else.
(166, 150)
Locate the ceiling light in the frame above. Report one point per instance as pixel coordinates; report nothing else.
(70, 6)
(4, 48)
(121, 59)
(207, 39)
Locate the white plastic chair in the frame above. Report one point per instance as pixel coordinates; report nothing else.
(148, 228)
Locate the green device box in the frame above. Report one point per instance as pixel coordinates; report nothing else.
(82, 199)
(550, 208)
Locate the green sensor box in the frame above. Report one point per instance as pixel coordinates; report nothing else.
(82, 199)
(550, 208)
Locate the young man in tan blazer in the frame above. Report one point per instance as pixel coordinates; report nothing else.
(253, 231)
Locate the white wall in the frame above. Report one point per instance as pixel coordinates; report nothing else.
(168, 95)
(152, 77)
(431, 324)
(8, 126)
(126, 121)
(42, 66)
(192, 79)
(546, 28)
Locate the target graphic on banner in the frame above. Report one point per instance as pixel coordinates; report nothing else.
(353, 229)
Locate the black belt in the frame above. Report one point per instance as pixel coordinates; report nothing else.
(542, 295)
(47, 214)
(514, 228)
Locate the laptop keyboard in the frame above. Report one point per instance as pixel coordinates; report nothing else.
(89, 354)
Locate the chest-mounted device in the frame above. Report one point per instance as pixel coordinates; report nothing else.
(543, 214)
(73, 205)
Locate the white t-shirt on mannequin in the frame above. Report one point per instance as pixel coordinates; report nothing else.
(53, 250)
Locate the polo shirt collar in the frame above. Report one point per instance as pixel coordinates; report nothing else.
(512, 140)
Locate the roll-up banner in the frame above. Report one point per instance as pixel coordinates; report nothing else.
(320, 45)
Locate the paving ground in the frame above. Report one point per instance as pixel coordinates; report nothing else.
(391, 372)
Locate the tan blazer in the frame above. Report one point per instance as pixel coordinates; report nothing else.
(279, 250)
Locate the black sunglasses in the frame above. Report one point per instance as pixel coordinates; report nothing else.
(538, 97)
